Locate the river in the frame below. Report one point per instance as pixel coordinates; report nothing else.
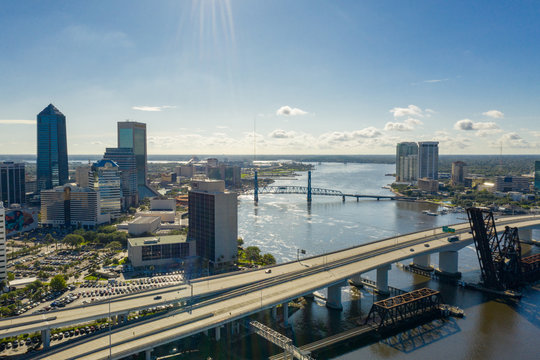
(282, 224)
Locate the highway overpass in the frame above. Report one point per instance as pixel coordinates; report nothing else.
(251, 292)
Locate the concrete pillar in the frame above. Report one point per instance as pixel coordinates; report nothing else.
(422, 262)
(46, 338)
(525, 234)
(205, 332)
(382, 279)
(285, 314)
(148, 354)
(274, 312)
(333, 299)
(448, 264)
(356, 280)
(218, 333)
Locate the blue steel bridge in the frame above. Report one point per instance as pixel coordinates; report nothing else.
(310, 191)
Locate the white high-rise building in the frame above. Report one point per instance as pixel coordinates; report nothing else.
(3, 257)
(428, 160)
(104, 178)
(406, 162)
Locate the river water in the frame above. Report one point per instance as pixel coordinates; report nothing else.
(281, 224)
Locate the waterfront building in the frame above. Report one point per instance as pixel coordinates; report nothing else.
(511, 183)
(12, 183)
(406, 161)
(458, 173)
(125, 159)
(104, 178)
(52, 157)
(160, 251)
(3, 235)
(213, 221)
(428, 160)
(81, 175)
(537, 175)
(71, 205)
(231, 174)
(428, 185)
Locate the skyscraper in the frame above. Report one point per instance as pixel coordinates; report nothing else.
(537, 175)
(12, 183)
(213, 221)
(3, 259)
(132, 135)
(104, 178)
(52, 157)
(406, 161)
(428, 160)
(125, 158)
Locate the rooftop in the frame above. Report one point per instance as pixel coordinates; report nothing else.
(145, 219)
(50, 110)
(154, 240)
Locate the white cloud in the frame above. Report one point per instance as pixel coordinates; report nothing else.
(281, 134)
(469, 125)
(288, 111)
(18, 122)
(512, 140)
(153, 108)
(496, 114)
(411, 110)
(407, 125)
(435, 80)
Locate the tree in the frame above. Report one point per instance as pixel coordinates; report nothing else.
(10, 276)
(74, 240)
(253, 253)
(114, 245)
(58, 283)
(240, 242)
(48, 240)
(268, 259)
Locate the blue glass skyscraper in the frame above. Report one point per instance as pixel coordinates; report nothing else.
(52, 158)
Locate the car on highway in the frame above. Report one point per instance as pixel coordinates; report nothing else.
(268, 271)
(453, 238)
(157, 297)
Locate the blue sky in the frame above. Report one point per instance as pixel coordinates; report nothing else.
(312, 77)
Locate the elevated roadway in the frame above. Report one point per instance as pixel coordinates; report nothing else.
(251, 292)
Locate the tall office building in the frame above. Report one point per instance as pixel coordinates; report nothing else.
(428, 160)
(458, 173)
(81, 175)
(52, 157)
(406, 161)
(125, 159)
(133, 135)
(104, 178)
(213, 221)
(537, 175)
(3, 258)
(12, 183)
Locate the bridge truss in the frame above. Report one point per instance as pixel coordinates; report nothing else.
(280, 340)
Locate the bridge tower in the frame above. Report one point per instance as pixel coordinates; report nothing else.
(256, 188)
(309, 186)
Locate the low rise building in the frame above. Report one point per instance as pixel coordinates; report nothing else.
(511, 183)
(144, 224)
(428, 185)
(161, 251)
(157, 204)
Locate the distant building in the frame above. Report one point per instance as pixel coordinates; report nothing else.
(428, 185)
(212, 162)
(104, 178)
(428, 160)
(185, 171)
(52, 157)
(213, 221)
(231, 174)
(71, 206)
(12, 183)
(125, 159)
(160, 251)
(169, 177)
(157, 204)
(511, 183)
(81, 175)
(537, 175)
(3, 257)
(406, 162)
(458, 173)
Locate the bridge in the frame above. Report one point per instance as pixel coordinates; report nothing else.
(237, 295)
(310, 191)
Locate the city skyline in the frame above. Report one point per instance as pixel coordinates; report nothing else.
(308, 77)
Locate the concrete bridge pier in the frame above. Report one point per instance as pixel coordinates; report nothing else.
(333, 299)
(273, 312)
(448, 264)
(46, 338)
(148, 354)
(343, 198)
(422, 262)
(356, 280)
(382, 279)
(285, 307)
(218, 333)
